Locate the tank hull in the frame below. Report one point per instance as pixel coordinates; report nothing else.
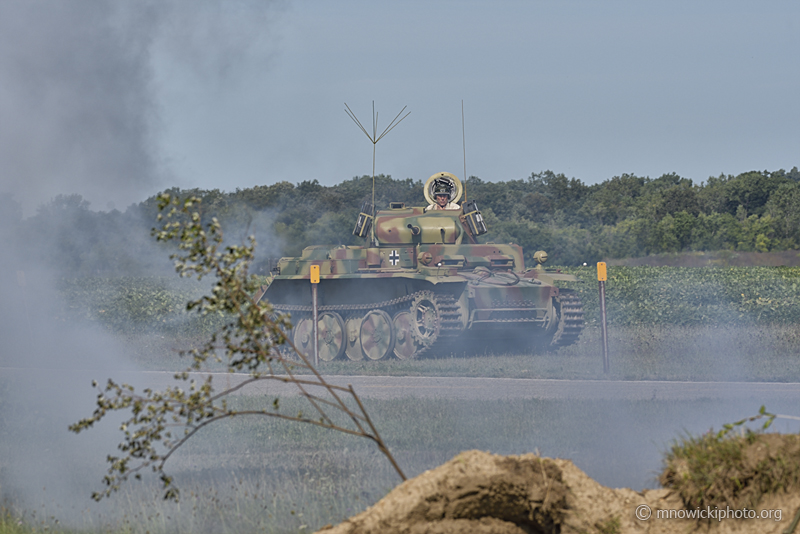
(403, 300)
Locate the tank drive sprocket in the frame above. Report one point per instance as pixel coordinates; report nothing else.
(426, 318)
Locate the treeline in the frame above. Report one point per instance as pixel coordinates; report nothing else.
(630, 216)
(624, 216)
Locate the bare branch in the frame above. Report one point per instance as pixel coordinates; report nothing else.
(249, 342)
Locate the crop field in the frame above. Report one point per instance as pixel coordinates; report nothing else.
(693, 296)
(263, 475)
(654, 296)
(666, 323)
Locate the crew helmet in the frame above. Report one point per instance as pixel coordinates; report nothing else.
(442, 187)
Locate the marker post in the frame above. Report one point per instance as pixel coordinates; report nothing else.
(601, 279)
(315, 313)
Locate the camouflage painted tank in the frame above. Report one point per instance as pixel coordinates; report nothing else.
(421, 284)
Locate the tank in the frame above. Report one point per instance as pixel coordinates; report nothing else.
(422, 283)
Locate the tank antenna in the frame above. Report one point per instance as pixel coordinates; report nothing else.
(374, 138)
(464, 146)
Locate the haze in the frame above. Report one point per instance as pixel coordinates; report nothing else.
(115, 101)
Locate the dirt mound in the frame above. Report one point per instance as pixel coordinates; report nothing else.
(481, 493)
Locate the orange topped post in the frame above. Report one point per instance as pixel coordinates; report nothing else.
(314, 275)
(602, 276)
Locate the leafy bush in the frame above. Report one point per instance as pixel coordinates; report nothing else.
(136, 305)
(720, 470)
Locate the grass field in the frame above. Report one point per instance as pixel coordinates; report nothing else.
(262, 475)
(698, 353)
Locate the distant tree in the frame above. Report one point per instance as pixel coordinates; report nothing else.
(10, 224)
(61, 232)
(539, 206)
(546, 197)
(752, 190)
(668, 194)
(784, 207)
(712, 195)
(10, 210)
(565, 193)
(614, 200)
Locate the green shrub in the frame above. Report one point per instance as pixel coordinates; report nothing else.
(735, 470)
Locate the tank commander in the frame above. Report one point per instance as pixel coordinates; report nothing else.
(441, 194)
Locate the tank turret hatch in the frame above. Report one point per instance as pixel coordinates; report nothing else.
(414, 226)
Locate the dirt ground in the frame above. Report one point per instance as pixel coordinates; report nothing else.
(481, 493)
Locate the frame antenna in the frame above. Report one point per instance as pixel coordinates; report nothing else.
(374, 138)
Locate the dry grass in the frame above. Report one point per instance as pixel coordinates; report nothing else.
(732, 470)
(704, 353)
(251, 475)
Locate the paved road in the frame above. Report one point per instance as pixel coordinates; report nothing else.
(390, 387)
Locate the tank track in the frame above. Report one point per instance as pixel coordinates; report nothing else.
(571, 321)
(284, 308)
(450, 317)
(451, 323)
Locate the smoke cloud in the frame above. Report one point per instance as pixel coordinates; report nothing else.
(76, 106)
(80, 117)
(79, 90)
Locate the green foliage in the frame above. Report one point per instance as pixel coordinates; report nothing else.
(727, 468)
(9, 524)
(692, 296)
(762, 414)
(612, 525)
(623, 216)
(135, 305)
(160, 422)
(635, 296)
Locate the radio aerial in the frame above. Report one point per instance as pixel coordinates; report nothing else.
(374, 138)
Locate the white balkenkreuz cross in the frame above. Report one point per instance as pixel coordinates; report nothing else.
(394, 257)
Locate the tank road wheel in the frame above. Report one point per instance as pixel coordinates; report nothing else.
(282, 349)
(330, 329)
(377, 335)
(352, 340)
(405, 346)
(425, 318)
(302, 333)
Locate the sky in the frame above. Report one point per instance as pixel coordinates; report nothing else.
(116, 101)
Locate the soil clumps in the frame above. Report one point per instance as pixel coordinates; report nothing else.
(481, 493)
